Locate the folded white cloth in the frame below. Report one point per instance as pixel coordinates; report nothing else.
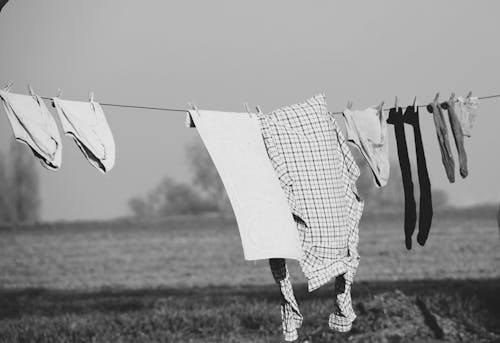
(264, 218)
(33, 125)
(86, 123)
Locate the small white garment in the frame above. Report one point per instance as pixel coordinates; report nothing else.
(264, 218)
(34, 126)
(367, 129)
(86, 123)
(466, 110)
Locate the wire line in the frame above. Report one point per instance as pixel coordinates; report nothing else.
(183, 110)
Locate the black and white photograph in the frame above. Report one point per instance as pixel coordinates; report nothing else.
(249, 171)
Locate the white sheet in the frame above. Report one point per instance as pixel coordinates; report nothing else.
(264, 218)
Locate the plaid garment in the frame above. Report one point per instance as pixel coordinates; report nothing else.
(318, 175)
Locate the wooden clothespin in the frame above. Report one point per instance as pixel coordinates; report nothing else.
(349, 105)
(380, 110)
(189, 121)
(435, 101)
(468, 95)
(247, 109)
(8, 86)
(396, 102)
(30, 90)
(257, 108)
(91, 96)
(414, 102)
(59, 93)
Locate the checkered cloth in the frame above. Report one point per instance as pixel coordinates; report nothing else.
(291, 318)
(318, 175)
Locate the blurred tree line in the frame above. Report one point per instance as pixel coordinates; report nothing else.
(19, 186)
(205, 192)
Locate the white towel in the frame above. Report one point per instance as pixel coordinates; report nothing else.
(264, 218)
(86, 123)
(34, 126)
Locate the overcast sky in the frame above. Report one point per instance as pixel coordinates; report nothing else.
(224, 53)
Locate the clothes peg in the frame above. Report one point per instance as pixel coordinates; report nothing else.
(349, 105)
(396, 102)
(189, 121)
(429, 106)
(414, 102)
(247, 109)
(30, 90)
(59, 93)
(469, 95)
(8, 86)
(381, 106)
(91, 97)
(258, 109)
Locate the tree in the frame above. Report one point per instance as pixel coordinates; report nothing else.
(205, 176)
(23, 184)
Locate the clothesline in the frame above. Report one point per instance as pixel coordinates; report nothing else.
(183, 110)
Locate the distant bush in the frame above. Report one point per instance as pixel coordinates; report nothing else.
(19, 186)
(205, 193)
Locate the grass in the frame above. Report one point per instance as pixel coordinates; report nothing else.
(184, 280)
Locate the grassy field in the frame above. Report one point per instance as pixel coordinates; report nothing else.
(184, 280)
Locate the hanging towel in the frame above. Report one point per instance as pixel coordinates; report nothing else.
(87, 124)
(466, 109)
(367, 129)
(396, 118)
(34, 126)
(235, 145)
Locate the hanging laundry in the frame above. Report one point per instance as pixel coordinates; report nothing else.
(425, 213)
(291, 318)
(87, 124)
(34, 126)
(442, 135)
(235, 145)
(410, 214)
(456, 129)
(466, 109)
(318, 174)
(367, 129)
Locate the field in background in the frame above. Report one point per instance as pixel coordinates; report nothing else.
(184, 280)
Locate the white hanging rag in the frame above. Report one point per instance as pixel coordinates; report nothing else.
(34, 126)
(87, 124)
(264, 218)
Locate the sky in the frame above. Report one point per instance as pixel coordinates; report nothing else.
(221, 54)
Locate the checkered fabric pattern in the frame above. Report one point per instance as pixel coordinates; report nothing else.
(291, 318)
(318, 175)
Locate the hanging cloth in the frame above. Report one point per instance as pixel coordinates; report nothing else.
(458, 136)
(367, 129)
(318, 174)
(87, 124)
(34, 126)
(467, 111)
(425, 213)
(235, 145)
(443, 139)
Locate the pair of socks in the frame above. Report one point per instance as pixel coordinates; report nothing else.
(398, 119)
